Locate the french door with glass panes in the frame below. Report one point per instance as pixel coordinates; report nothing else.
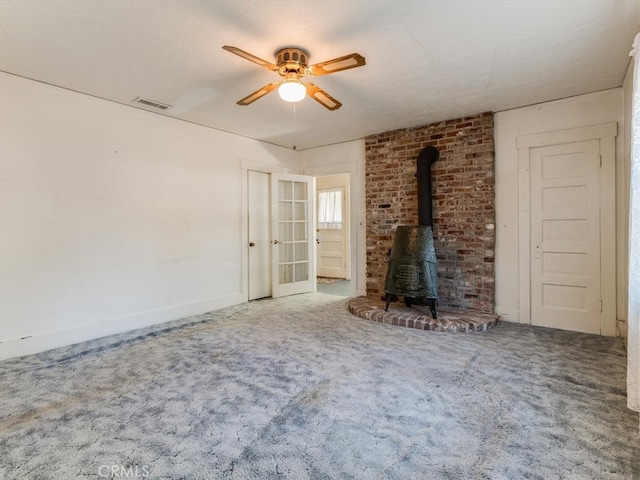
(293, 227)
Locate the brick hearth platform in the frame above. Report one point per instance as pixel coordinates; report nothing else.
(419, 316)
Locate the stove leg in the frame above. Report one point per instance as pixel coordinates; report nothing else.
(388, 302)
(432, 306)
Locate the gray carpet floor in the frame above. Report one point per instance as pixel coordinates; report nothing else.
(299, 388)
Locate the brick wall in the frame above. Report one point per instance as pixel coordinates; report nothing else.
(463, 205)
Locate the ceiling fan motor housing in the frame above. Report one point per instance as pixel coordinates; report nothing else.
(292, 60)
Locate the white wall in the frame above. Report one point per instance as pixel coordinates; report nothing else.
(348, 157)
(584, 110)
(113, 218)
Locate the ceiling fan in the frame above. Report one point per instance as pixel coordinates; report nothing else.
(292, 64)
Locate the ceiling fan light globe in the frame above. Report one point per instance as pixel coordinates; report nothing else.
(292, 90)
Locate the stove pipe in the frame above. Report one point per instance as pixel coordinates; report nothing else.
(426, 158)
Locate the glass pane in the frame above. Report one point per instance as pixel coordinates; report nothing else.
(300, 191)
(302, 272)
(285, 232)
(300, 210)
(300, 231)
(285, 190)
(330, 209)
(286, 273)
(302, 251)
(285, 211)
(285, 252)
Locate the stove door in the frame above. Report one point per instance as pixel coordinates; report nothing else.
(293, 229)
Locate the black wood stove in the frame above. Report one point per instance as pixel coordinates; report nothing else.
(412, 270)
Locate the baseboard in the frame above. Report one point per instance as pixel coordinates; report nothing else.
(18, 347)
(508, 313)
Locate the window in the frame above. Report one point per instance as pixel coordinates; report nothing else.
(330, 208)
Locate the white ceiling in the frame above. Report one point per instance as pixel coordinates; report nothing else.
(426, 60)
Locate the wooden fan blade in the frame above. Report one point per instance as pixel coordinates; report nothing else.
(322, 97)
(261, 92)
(352, 60)
(251, 58)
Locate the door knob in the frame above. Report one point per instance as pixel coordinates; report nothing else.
(251, 244)
(276, 242)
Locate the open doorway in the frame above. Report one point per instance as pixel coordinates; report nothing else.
(333, 234)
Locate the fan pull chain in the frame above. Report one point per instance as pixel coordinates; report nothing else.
(294, 126)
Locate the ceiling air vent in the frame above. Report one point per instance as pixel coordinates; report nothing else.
(151, 103)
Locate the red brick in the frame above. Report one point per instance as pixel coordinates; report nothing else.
(463, 186)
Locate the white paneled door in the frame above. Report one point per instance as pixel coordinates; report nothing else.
(332, 260)
(565, 236)
(332, 234)
(292, 230)
(259, 234)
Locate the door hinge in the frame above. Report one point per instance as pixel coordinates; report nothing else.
(600, 161)
(600, 306)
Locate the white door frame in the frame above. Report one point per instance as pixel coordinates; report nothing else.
(245, 166)
(606, 134)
